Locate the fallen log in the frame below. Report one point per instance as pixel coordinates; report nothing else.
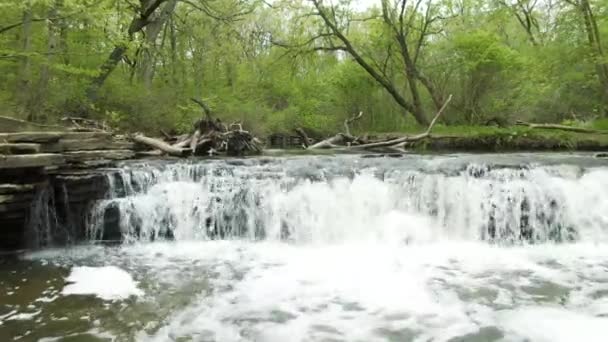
(306, 141)
(560, 127)
(334, 142)
(347, 141)
(181, 141)
(400, 142)
(162, 146)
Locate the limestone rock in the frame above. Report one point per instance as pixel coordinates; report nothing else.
(86, 135)
(31, 137)
(17, 188)
(83, 156)
(14, 198)
(19, 148)
(92, 144)
(30, 160)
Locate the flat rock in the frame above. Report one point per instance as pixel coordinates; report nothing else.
(19, 148)
(84, 156)
(12, 207)
(30, 160)
(31, 137)
(18, 188)
(14, 198)
(92, 144)
(86, 135)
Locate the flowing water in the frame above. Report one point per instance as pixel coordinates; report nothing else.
(329, 248)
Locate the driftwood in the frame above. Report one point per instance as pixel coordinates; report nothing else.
(338, 140)
(306, 141)
(209, 137)
(347, 141)
(166, 135)
(400, 142)
(560, 127)
(347, 122)
(194, 140)
(162, 146)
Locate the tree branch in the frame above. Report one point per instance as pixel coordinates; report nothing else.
(16, 25)
(347, 122)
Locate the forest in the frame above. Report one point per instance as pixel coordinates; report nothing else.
(279, 65)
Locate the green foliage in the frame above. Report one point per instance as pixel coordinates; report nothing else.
(239, 61)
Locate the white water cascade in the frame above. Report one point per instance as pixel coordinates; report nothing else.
(470, 248)
(349, 198)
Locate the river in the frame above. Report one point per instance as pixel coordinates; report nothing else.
(510, 247)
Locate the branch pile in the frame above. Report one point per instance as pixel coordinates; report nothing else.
(346, 141)
(210, 137)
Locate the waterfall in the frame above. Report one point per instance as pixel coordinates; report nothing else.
(330, 199)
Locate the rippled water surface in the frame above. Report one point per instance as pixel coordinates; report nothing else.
(436, 248)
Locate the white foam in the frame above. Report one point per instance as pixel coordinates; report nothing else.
(540, 203)
(552, 324)
(355, 291)
(108, 283)
(24, 316)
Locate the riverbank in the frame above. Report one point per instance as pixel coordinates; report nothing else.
(509, 139)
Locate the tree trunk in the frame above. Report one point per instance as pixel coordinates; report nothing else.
(418, 107)
(140, 20)
(412, 77)
(148, 54)
(173, 41)
(24, 86)
(106, 69)
(62, 25)
(593, 37)
(42, 89)
(375, 74)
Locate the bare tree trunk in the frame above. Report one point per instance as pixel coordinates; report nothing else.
(173, 41)
(418, 107)
(375, 74)
(411, 73)
(105, 70)
(198, 68)
(42, 88)
(412, 78)
(597, 51)
(140, 20)
(24, 85)
(148, 53)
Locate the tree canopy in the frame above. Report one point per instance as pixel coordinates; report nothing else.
(277, 65)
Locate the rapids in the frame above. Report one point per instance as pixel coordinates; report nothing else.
(329, 248)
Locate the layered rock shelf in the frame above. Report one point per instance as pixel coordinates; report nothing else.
(49, 179)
